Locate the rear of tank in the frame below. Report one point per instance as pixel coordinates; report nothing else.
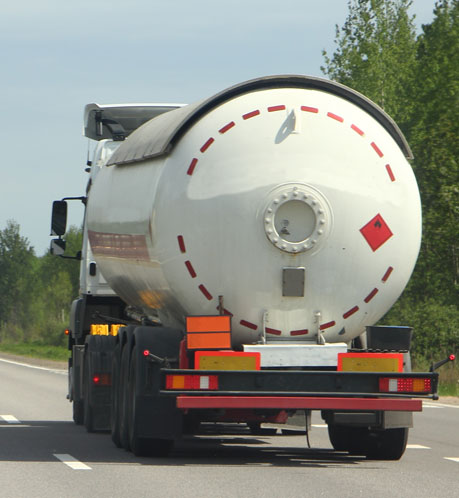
(295, 207)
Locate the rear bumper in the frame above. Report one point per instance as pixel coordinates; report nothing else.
(298, 403)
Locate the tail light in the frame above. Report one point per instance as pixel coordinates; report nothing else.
(197, 382)
(405, 385)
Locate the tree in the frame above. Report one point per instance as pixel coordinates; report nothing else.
(434, 137)
(17, 263)
(417, 83)
(376, 54)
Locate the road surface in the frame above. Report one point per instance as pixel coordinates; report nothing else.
(43, 454)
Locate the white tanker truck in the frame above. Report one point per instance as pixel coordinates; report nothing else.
(237, 253)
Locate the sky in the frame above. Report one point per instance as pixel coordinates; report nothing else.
(58, 56)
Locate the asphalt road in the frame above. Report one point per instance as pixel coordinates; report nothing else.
(43, 454)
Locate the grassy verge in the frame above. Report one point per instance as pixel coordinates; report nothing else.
(36, 350)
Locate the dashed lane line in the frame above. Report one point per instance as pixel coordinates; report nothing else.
(418, 447)
(10, 419)
(453, 459)
(71, 462)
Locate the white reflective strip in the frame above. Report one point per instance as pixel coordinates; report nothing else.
(454, 459)
(73, 463)
(10, 419)
(204, 382)
(393, 385)
(418, 447)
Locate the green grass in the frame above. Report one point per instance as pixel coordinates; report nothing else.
(36, 350)
(448, 389)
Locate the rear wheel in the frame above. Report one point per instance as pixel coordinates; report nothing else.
(141, 446)
(78, 412)
(389, 444)
(123, 398)
(115, 406)
(88, 413)
(339, 437)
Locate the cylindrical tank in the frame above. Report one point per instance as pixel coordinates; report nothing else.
(290, 197)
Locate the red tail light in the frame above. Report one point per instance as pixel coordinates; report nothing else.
(405, 385)
(197, 382)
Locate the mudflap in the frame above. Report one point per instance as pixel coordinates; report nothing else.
(97, 364)
(154, 421)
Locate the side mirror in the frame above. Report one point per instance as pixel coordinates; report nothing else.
(59, 218)
(57, 247)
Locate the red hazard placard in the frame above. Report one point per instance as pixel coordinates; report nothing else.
(376, 232)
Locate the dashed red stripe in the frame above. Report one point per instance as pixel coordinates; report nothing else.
(357, 130)
(248, 325)
(207, 144)
(192, 166)
(251, 114)
(351, 312)
(327, 325)
(190, 269)
(205, 292)
(299, 332)
(275, 108)
(377, 149)
(390, 172)
(306, 108)
(371, 295)
(387, 274)
(227, 127)
(272, 331)
(335, 116)
(181, 243)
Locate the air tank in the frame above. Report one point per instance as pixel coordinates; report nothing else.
(286, 201)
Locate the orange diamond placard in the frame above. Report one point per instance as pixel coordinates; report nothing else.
(376, 232)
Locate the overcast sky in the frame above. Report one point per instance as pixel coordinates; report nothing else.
(57, 56)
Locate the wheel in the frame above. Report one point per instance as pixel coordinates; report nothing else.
(339, 437)
(78, 412)
(354, 440)
(115, 406)
(141, 446)
(389, 444)
(88, 414)
(123, 397)
(255, 428)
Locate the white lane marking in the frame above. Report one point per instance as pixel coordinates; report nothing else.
(454, 459)
(321, 426)
(10, 419)
(54, 370)
(440, 405)
(418, 447)
(72, 462)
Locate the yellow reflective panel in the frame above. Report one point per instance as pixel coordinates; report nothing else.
(99, 329)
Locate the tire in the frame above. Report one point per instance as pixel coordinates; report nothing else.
(123, 398)
(88, 414)
(78, 412)
(115, 406)
(354, 440)
(339, 437)
(141, 446)
(389, 444)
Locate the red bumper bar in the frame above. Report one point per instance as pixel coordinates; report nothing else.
(297, 403)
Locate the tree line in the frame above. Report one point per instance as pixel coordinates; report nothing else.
(415, 79)
(35, 292)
